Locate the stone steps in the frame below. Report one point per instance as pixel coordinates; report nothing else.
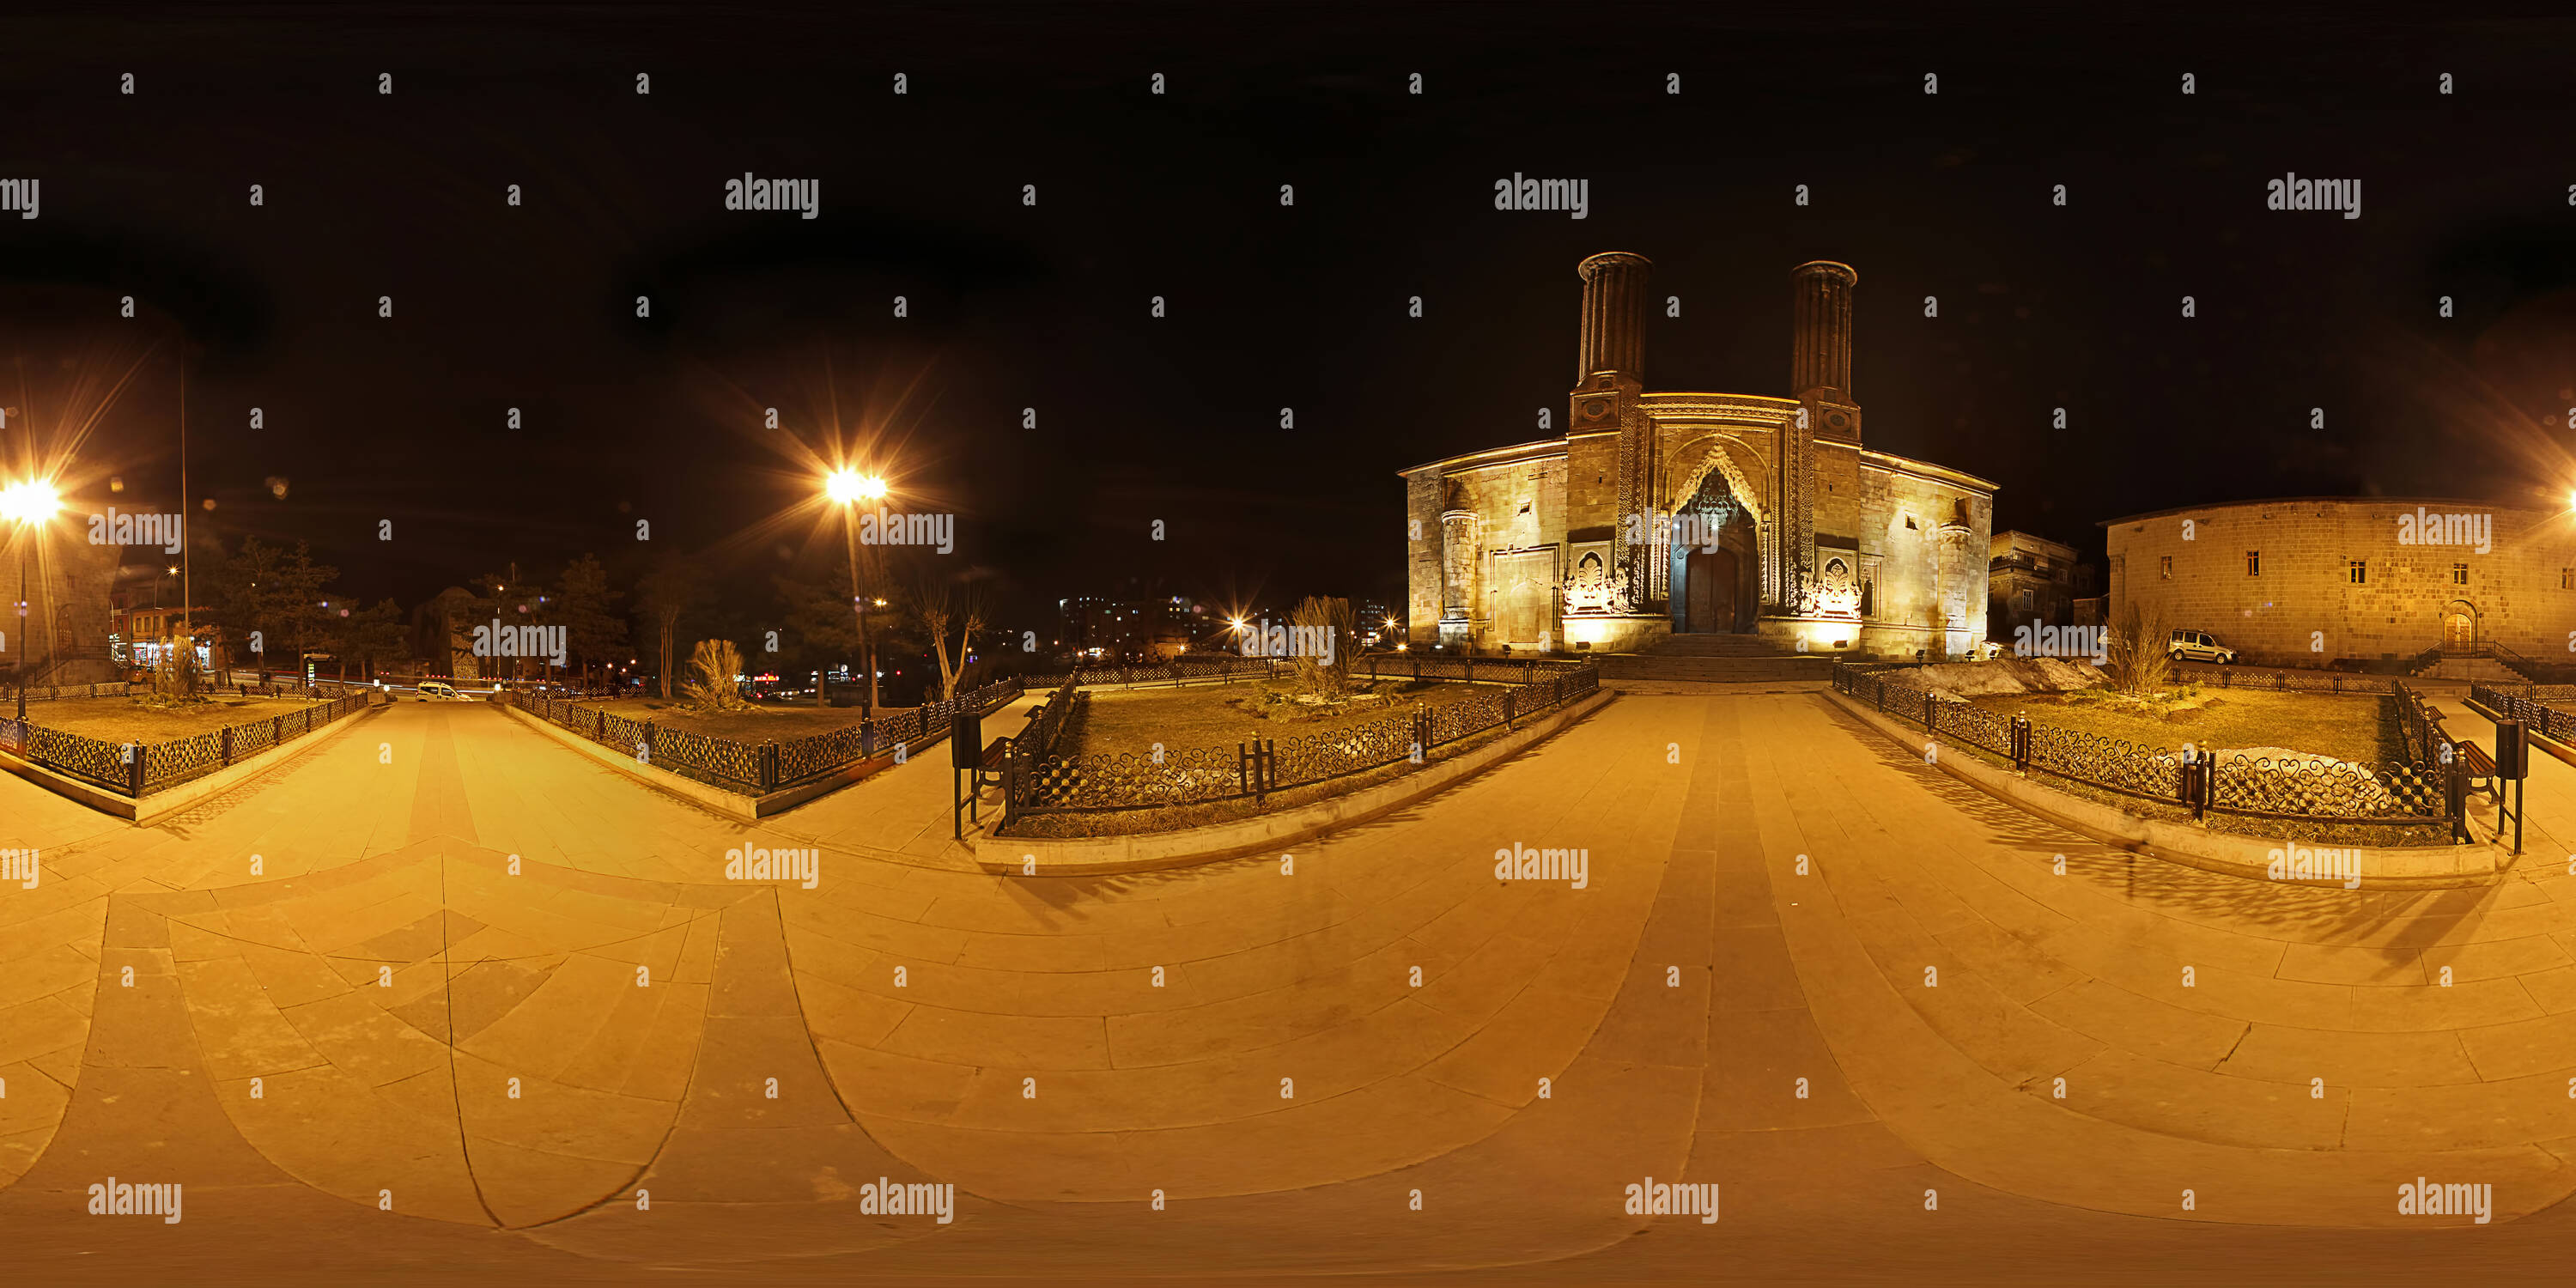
(1774, 666)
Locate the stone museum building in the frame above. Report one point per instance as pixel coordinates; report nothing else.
(1663, 514)
(2315, 580)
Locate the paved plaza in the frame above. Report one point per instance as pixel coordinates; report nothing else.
(486, 1007)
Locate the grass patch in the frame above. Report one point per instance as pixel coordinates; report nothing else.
(131, 720)
(2355, 728)
(1224, 714)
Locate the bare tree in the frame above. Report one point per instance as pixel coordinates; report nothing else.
(662, 598)
(2138, 662)
(939, 608)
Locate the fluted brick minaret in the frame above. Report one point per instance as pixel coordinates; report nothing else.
(1609, 379)
(1614, 315)
(1820, 345)
(1820, 309)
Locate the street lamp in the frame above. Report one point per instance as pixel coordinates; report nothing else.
(27, 504)
(846, 487)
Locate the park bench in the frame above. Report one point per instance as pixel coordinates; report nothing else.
(2481, 769)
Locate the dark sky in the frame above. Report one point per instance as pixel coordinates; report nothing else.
(1046, 307)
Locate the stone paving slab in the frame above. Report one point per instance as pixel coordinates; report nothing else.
(1561, 1044)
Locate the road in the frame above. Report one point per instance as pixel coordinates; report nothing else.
(439, 995)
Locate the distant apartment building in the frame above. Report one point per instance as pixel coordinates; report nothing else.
(2031, 578)
(1098, 629)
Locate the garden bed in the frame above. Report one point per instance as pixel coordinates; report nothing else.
(2362, 729)
(122, 720)
(766, 720)
(1223, 715)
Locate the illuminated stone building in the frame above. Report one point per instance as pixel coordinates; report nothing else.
(1658, 515)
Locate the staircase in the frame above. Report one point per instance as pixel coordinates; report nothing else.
(1718, 659)
(2464, 666)
(2492, 663)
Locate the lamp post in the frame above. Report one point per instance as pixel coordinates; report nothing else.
(847, 487)
(27, 504)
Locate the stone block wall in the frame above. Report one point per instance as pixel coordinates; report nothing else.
(2299, 604)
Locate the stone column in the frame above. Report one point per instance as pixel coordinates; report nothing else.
(1457, 566)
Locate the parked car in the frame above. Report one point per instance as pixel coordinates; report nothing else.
(436, 689)
(2199, 646)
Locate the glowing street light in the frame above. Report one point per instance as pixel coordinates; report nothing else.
(846, 487)
(28, 504)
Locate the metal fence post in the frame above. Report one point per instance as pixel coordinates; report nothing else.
(769, 766)
(228, 744)
(868, 737)
(134, 771)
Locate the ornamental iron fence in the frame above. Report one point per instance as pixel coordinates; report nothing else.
(758, 768)
(2424, 788)
(1037, 781)
(136, 770)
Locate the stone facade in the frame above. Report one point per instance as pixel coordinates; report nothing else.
(2321, 579)
(1687, 513)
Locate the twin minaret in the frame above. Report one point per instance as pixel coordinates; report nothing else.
(1820, 302)
(1609, 378)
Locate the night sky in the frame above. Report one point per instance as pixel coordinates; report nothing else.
(2465, 195)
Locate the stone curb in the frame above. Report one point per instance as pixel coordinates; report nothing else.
(2416, 867)
(732, 804)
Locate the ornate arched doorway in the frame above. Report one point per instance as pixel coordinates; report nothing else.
(1716, 562)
